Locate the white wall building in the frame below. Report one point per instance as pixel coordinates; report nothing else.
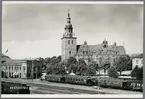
(137, 61)
(17, 68)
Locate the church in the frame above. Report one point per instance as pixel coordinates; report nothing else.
(99, 53)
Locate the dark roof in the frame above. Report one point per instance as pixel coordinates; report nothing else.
(3, 55)
(12, 62)
(5, 58)
(138, 56)
(98, 49)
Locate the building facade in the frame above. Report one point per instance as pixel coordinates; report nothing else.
(137, 61)
(97, 53)
(21, 68)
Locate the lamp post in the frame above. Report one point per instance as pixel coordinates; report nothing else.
(32, 70)
(100, 59)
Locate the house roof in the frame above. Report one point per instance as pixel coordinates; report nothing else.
(4, 58)
(12, 62)
(138, 56)
(98, 49)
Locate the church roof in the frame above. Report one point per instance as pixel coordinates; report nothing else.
(98, 49)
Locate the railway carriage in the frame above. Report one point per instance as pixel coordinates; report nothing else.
(55, 78)
(76, 79)
(122, 83)
(110, 82)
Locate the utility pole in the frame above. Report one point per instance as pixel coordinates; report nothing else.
(32, 70)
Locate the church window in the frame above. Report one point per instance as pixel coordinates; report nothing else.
(68, 41)
(24, 68)
(72, 41)
(86, 52)
(20, 75)
(83, 52)
(69, 52)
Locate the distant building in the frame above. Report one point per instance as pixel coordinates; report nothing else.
(16, 68)
(98, 53)
(4, 58)
(137, 61)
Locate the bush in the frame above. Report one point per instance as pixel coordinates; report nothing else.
(112, 72)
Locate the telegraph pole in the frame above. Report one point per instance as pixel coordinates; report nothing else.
(32, 69)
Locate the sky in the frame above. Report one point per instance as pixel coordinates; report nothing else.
(35, 30)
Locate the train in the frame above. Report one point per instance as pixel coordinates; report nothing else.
(120, 83)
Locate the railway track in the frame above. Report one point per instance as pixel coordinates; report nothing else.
(44, 87)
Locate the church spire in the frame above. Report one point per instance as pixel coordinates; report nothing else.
(68, 27)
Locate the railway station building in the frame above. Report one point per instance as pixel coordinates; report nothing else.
(21, 68)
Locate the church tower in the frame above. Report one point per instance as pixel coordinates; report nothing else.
(68, 41)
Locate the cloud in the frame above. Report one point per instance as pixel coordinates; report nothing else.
(31, 30)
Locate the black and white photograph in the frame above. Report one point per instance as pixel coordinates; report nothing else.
(72, 48)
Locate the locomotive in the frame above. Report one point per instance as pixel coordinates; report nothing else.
(121, 83)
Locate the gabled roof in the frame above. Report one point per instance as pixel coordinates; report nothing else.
(98, 49)
(12, 62)
(4, 58)
(3, 55)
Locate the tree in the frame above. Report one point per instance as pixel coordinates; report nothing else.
(47, 60)
(105, 65)
(59, 57)
(137, 72)
(112, 72)
(54, 66)
(129, 65)
(81, 68)
(71, 60)
(58, 69)
(92, 68)
(43, 63)
(121, 63)
(140, 73)
(71, 64)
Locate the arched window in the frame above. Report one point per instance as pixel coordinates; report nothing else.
(24, 68)
(86, 52)
(72, 42)
(136, 61)
(68, 41)
(69, 52)
(83, 52)
(20, 75)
